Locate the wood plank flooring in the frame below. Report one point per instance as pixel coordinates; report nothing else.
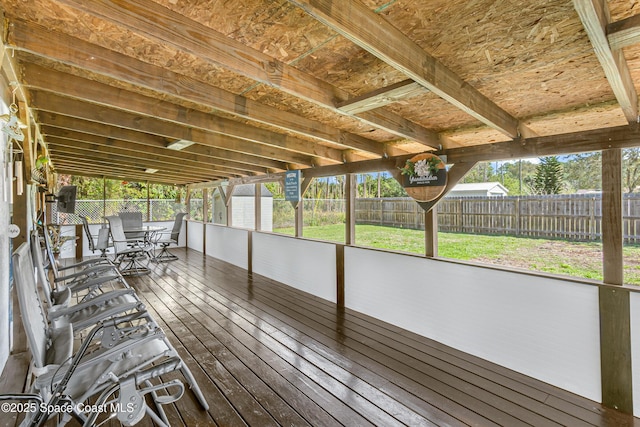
(266, 354)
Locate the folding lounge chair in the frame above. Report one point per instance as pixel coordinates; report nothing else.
(85, 274)
(81, 270)
(119, 359)
(131, 255)
(93, 303)
(102, 242)
(166, 239)
(118, 362)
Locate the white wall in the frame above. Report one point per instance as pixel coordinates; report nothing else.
(635, 349)
(303, 264)
(5, 254)
(228, 244)
(543, 327)
(195, 235)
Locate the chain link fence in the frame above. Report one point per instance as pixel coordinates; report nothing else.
(96, 210)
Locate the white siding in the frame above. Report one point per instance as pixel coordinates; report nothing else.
(543, 327)
(228, 244)
(303, 264)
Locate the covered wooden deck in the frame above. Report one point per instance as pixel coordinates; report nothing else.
(266, 354)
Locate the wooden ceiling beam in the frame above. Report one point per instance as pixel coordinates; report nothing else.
(100, 174)
(595, 17)
(124, 162)
(623, 33)
(99, 93)
(359, 24)
(61, 125)
(94, 173)
(627, 136)
(384, 96)
(66, 49)
(158, 23)
(89, 164)
(102, 145)
(103, 114)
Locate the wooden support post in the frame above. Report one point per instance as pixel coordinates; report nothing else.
(79, 242)
(299, 220)
(148, 202)
(258, 207)
(431, 232)
(20, 215)
(299, 207)
(250, 252)
(205, 218)
(340, 275)
(187, 203)
(350, 214)
(615, 322)
(229, 203)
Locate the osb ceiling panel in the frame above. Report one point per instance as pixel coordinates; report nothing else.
(282, 73)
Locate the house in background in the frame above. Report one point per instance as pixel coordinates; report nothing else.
(478, 189)
(242, 207)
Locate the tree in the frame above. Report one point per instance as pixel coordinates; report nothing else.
(583, 172)
(548, 178)
(631, 168)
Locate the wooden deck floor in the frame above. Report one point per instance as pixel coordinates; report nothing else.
(266, 354)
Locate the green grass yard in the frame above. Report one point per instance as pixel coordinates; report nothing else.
(578, 259)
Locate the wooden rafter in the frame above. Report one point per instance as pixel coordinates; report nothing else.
(355, 21)
(595, 17)
(63, 48)
(99, 93)
(176, 160)
(126, 161)
(66, 127)
(159, 23)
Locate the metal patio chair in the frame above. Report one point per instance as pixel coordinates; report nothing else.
(117, 362)
(102, 239)
(102, 297)
(131, 255)
(132, 221)
(166, 239)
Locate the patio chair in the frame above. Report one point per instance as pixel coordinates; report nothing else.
(102, 242)
(132, 221)
(166, 239)
(76, 273)
(131, 255)
(93, 303)
(118, 360)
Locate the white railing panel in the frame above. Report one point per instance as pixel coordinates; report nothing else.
(635, 349)
(303, 264)
(543, 327)
(228, 244)
(195, 235)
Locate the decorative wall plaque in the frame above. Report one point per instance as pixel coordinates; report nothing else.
(424, 177)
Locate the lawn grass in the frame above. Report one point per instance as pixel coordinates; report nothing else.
(577, 259)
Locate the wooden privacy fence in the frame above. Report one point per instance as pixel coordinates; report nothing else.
(570, 217)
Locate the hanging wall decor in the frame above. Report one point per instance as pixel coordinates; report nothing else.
(424, 177)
